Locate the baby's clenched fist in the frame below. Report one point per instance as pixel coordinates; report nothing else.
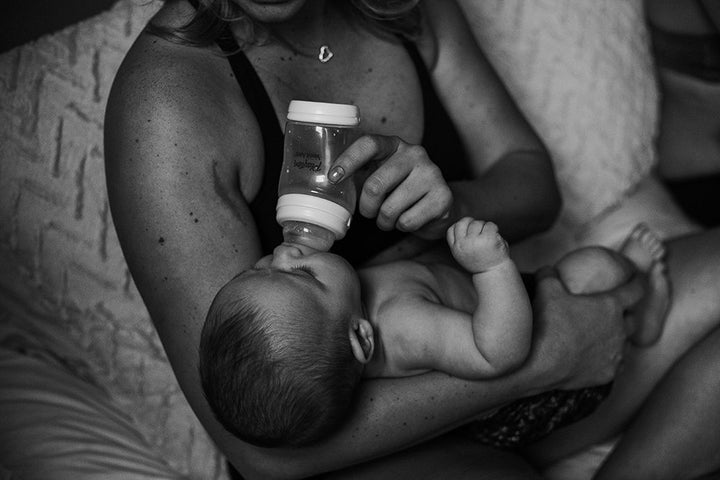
(476, 245)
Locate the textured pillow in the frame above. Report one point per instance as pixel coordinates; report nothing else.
(583, 74)
(60, 260)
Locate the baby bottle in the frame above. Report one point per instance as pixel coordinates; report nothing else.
(311, 210)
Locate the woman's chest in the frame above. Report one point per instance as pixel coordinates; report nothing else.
(377, 76)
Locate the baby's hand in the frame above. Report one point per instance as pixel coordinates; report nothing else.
(476, 245)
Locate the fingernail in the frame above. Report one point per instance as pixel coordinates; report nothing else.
(336, 174)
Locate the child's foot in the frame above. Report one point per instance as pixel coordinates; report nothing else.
(652, 310)
(645, 249)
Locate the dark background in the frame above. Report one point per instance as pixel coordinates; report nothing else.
(24, 20)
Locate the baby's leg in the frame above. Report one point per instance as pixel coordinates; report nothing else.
(645, 249)
(594, 269)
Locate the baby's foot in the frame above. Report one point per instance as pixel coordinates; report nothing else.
(645, 249)
(652, 310)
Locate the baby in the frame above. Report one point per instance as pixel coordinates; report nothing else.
(286, 343)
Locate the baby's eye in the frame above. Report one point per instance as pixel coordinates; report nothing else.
(306, 269)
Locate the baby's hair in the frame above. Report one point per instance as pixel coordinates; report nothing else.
(275, 378)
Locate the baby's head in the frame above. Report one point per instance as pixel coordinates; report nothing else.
(283, 347)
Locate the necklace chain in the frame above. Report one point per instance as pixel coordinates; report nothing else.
(324, 53)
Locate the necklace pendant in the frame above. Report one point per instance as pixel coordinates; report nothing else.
(325, 54)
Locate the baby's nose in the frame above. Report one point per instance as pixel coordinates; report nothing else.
(284, 252)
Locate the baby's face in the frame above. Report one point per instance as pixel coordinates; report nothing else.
(291, 275)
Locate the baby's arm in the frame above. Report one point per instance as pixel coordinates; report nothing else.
(502, 321)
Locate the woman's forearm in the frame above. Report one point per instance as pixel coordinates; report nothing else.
(391, 415)
(519, 193)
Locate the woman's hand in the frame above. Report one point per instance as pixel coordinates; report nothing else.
(401, 187)
(580, 339)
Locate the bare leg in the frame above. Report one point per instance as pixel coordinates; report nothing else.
(593, 269)
(694, 271)
(645, 249)
(677, 434)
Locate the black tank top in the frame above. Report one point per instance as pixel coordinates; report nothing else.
(364, 239)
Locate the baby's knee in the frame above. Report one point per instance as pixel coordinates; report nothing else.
(593, 269)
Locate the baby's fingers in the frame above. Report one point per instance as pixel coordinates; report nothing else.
(450, 235)
(462, 226)
(458, 230)
(476, 227)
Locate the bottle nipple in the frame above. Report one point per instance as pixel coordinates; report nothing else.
(308, 235)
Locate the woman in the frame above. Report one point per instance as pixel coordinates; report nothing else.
(190, 157)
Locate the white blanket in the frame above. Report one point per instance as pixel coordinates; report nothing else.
(582, 72)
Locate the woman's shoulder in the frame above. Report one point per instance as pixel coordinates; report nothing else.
(165, 76)
(168, 76)
(167, 95)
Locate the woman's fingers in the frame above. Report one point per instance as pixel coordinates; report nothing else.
(381, 183)
(406, 192)
(393, 207)
(405, 189)
(581, 336)
(415, 202)
(409, 167)
(362, 153)
(426, 211)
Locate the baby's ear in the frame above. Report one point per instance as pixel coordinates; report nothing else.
(362, 340)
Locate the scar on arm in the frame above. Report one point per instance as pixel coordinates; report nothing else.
(225, 195)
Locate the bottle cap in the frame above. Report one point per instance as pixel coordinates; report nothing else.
(308, 208)
(325, 113)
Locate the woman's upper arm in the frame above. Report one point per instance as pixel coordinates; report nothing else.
(489, 122)
(183, 223)
(174, 189)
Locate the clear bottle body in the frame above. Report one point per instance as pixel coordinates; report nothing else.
(313, 211)
(309, 152)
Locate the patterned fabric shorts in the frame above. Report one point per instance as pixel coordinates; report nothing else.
(529, 419)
